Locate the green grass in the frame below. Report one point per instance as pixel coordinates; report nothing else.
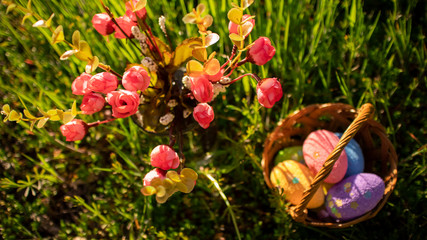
(347, 51)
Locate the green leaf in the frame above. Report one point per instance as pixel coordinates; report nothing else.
(353, 13)
(49, 21)
(28, 114)
(74, 108)
(29, 5)
(58, 35)
(140, 5)
(15, 116)
(27, 15)
(42, 122)
(85, 53)
(33, 123)
(10, 8)
(67, 117)
(92, 65)
(68, 54)
(148, 191)
(174, 176)
(76, 39)
(235, 15)
(247, 3)
(200, 8)
(5, 109)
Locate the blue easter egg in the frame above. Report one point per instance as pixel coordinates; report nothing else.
(356, 161)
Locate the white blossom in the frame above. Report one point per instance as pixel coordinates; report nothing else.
(166, 119)
(172, 103)
(218, 88)
(162, 24)
(150, 64)
(186, 81)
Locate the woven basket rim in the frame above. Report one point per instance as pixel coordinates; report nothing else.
(275, 141)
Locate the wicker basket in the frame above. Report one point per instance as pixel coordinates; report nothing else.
(380, 155)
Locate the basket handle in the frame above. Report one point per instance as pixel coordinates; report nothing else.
(299, 212)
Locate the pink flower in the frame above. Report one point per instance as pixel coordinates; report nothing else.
(74, 130)
(155, 173)
(261, 51)
(92, 103)
(126, 25)
(202, 88)
(104, 82)
(234, 28)
(204, 114)
(79, 85)
(164, 157)
(136, 78)
(103, 24)
(269, 91)
(124, 103)
(129, 11)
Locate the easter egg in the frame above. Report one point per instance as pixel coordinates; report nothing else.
(316, 149)
(289, 153)
(354, 196)
(294, 178)
(356, 161)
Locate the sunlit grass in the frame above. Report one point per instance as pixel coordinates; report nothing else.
(326, 51)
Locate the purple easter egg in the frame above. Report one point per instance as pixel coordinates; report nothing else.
(354, 196)
(317, 147)
(356, 161)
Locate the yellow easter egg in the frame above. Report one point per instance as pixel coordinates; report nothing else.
(294, 178)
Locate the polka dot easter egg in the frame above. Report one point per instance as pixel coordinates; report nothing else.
(289, 153)
(317, 147)
(356, 161)
(294, 178)
(354, 196)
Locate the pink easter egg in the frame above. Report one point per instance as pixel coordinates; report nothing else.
(317, 147)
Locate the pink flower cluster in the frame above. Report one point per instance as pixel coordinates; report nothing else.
(124, 102)
(163, 158)
(103, 23)
(269, 90)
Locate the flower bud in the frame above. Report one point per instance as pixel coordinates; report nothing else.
(234, 28)
(142, 14)
(104, 82)
(103, 24)
(74, 130)
(203, 114)
(269, 91)
(79, 85)
(92, 103)
(126, 25)
(202, 89)
(164, 157)
(261, 51)
(124, 103)
(155, 173)
(136, 78)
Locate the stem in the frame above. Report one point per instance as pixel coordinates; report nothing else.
(253, 75)
(94, 124)
(231, 56)
(108, 69)
(154, 40)
(115, 22)
(181, 146)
